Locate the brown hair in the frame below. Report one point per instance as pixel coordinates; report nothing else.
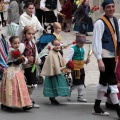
(12, 38)
(54, 41)
(28, 4)
(27, 28)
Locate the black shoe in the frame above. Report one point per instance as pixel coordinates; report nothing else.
(117, 108)
(4, 107)
(109, 106)
(54, 101)
(26, 108)
(99, 111)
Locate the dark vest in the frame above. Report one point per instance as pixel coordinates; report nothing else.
(107, 42)
(78, 54)
(29, 50)
(51, 4)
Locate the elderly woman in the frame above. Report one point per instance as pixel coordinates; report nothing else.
(28, 18)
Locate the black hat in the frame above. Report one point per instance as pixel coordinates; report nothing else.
(106, 2)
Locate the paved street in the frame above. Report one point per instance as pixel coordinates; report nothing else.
(67, 110)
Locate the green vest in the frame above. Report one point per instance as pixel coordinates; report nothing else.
(78, 54)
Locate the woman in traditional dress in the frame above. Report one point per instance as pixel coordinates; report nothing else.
(55, 82)
(28, 18)
(14, 91)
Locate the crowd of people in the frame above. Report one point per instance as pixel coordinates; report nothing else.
(20, 52)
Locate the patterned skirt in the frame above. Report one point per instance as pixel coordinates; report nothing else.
(13, 90)
(56, 86)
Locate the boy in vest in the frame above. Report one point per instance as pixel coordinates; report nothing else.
(51, 9)
(77, 55)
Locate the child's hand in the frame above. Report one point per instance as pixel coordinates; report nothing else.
(65, 46)
(37, 62)
(44, 9)
(31, 59)
(87, 61)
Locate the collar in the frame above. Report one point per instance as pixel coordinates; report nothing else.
(27, 16)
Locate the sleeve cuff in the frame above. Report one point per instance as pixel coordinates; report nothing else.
(98, 56)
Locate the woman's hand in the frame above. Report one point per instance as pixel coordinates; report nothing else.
(44, 9)
(73, 18)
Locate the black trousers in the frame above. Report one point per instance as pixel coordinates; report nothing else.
(50, 17)
(80, 81)
(30, 77)
(108, 77)
(2, 18)
(40, 15)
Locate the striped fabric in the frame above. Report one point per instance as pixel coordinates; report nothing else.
(3, 55)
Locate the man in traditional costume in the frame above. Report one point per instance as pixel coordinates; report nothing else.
(105, 38)
(77, 55)
(51, 8)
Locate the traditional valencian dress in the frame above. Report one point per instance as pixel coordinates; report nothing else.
(55, 82)
(13, 90)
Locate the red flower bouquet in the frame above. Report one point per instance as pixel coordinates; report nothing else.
(93, 9)
(70, 65)
(16, 53)
(49, 48)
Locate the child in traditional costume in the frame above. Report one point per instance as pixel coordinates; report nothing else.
(14, 91)
(57, 30)
(30, 53)
(77, 55)
(55, 82)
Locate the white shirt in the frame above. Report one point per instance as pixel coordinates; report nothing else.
(71, 53)
(98, 31)
(25, 19)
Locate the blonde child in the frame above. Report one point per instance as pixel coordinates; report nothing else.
(14, 92)
(57, 29)
(30, 53)
(55, 83)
